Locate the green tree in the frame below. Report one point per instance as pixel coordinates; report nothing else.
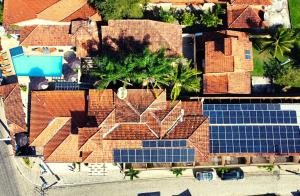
(177, 171)
(132, 173)
(152, 69)
(167, 15)
(211, 17)
(149, 69)
(111, 70)
(183, 77)
(273, 69)
(279, 42)
(289, 78)
(188, 18)
(119, 9)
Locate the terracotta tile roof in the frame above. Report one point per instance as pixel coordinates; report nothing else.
(244, 16)
(83, 13)
(148, 33)
(56, 13)
(47, 35)
(95, 142)
(252, 2)
(239, 83)
(57, 139)
(20, 10)
(225, 53)
(135, 131)
(215, 83)
(85, 134)
(16, 11)
(46, 105)
(13, 107)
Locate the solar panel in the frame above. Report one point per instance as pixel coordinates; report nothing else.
(66, 86)
(17, 51)
(228, 107)
(163, 143)
(255, 139)
(252, 117)
(154, 155)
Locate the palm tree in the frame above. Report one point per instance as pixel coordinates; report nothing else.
(279, 42)
(112, 70)
(177, 171)
(152, 69)
(183, 77)
(132, 173)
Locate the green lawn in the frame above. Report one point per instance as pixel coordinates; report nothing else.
(294, 6)
(258, 60)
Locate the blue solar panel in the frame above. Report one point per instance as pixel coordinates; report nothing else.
(255, 139)
(157, 155)
(258, 106)
(17, 51)
(163, 143)
(252, 117)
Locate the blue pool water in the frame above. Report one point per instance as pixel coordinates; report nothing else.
(38, 66)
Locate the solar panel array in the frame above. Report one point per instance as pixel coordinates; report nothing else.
(154, 155)
(66, 86)
(252, 117)
(254, 106)
(254, 139)
(17, 51)
(252, 128)
(164, 143)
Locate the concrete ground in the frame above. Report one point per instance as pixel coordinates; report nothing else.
(253, 184)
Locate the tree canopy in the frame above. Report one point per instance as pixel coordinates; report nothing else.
(147, 70)
(279, 42)
(119, 9)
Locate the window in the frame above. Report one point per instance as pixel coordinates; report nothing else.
(247, 54)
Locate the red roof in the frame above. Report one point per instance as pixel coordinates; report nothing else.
(84, 136)
(13, 107)
(16, 11)
(46, 35)
(135, 34)
(244, 16)
(225, 57)
(251, 2)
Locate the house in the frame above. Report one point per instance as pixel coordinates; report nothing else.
(46, 12)
(228, 62)
(13, 115)
(94, 126)
(83, 35)
(138, 34)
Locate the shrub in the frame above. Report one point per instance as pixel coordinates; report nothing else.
(188, 19)
(23, 88)
(26, 161)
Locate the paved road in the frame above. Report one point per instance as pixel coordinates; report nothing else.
(251, 185)
(11, 182)
(7, 173)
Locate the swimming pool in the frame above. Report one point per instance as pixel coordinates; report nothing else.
(36, 66)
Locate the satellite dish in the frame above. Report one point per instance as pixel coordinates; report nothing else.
(122, 93)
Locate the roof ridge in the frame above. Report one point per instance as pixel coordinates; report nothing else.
(74, 12)
(97, 131)
(239, 16)
(56, 134)
(152, 131)
(153, 101)
(158, 31)
(15, 85)
(29, 34)
(170, 111)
